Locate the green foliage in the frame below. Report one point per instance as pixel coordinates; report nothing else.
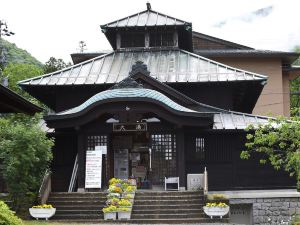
(294, 89)
(18, 72)
(54, 64)
(8, 217)
(278, 143)
(26, 153)
(19, 56)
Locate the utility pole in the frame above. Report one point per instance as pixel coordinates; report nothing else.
(3, 32)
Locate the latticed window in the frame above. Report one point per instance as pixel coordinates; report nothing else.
(132, 39)
(200, 148)
(163, 156)
(97, 140)
(159, 39)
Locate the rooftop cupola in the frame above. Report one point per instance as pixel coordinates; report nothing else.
(149, 29)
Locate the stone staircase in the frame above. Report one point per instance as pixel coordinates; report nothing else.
(170, 207)
(150, 207)
(78, 206)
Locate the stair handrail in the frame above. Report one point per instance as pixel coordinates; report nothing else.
(45, 188)
(205, 182)
(74, 175)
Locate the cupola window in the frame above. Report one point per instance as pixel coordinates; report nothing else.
(132, 39)
(161, 38)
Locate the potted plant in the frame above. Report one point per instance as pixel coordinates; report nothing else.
(124, 213)
(42, 211)
(128, 197)
(125, 203)
(110, 212)
(216, 209)
(130, 189)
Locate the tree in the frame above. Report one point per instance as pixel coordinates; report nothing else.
(295, 88)
(25, 152)
(17, 72)
(54, 64)
(278, 143)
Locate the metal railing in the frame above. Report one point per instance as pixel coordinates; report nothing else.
(205, 182)
(45, 188)
(74, 175)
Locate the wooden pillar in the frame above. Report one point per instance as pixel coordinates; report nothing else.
(181, 157)
(81, 161)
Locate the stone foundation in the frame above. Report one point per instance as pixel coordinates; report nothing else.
(266, 211)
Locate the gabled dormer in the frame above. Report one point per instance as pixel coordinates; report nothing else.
(149, 29)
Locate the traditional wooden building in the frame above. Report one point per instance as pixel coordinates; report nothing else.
(154, 108)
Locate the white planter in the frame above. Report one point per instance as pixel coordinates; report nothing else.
(110, 216)
(124, 215)
(42, 213)
(216, 211)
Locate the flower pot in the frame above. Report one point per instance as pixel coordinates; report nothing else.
(42, 213)
(124, 215)
(216, 211)
(110, 216)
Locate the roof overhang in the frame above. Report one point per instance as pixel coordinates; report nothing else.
(11, 102)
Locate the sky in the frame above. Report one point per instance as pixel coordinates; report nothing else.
(48, 28)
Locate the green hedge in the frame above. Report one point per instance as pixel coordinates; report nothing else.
(8, 217)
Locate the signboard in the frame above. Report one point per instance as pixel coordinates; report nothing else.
(93, 169)
(125, 127)
(101, 148)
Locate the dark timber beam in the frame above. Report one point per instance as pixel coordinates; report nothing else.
(181, 157)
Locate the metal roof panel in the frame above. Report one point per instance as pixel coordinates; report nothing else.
(165, 65)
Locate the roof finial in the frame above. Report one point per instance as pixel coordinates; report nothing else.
(148, 6)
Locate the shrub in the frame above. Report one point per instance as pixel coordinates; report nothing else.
(8, 217)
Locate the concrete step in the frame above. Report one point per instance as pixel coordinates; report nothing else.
(167, 216)
(167, 202)
(78, 194)
(79, 207)
(172, 207)
(175, 197)
(75, 217)
(168, 193)
(202, 221)
(77, 203)
(79, 212)
(165, 211)
(76, 198)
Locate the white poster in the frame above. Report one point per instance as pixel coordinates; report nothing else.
(93, 169)
(102, 148)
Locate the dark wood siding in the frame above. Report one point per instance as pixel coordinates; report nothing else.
(225, 168)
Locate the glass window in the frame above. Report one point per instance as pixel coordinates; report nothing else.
(159, 39)
(200, 148)
(132, 39)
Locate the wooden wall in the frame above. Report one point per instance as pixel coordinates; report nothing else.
(225, 168)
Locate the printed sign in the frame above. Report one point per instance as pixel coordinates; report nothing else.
(124, 127)
(93, 169)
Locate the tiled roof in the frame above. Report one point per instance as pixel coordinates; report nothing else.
(235, 120)
(145, 18)
(168, 65)
(129, 93)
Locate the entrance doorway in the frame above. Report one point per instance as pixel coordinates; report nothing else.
(148, 158)
(132, 157)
